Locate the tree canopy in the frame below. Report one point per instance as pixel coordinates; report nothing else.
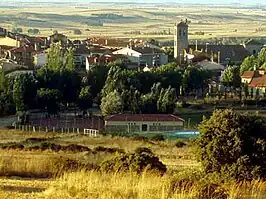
(233, 145)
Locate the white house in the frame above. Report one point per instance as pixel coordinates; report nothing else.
(144, 123)
(144, 55)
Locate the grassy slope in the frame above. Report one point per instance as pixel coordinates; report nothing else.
(40, 163)
(81, 185)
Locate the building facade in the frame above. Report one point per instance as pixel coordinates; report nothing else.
(144, 123)
(143, 56)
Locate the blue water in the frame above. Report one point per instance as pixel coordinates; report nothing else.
(187, 133)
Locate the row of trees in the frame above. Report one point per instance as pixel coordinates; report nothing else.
(150, 92)
(113, 86)
(254, 62)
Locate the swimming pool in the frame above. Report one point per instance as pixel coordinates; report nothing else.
(187, 133)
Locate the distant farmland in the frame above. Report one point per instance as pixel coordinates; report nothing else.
(134, 21)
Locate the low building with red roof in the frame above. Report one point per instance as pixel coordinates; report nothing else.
(144, 123)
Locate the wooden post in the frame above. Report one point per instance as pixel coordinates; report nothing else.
(46, 129)
(33, 129)
(54, 129)
(78, 130)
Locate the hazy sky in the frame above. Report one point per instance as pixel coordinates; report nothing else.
(155, 1)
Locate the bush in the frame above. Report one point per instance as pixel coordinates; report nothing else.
(182, 104)
(107, 150)
(180, 144)
(233, 145)
(158, 137)
(135, 162)
(141, 150)
(197, 106)
(140, 138)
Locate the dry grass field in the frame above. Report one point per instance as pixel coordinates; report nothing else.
(33, 174)
(119, 19)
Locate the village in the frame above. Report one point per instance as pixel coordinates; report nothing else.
(23, 54)
(132, 100)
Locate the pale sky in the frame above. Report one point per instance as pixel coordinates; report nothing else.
(154, 1)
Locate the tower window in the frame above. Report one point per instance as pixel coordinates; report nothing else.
(184, 32)
(180, 32)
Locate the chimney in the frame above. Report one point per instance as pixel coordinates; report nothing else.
(211, 56)
(106, 42)
(219, 57)
(36, 47)
(196, 45)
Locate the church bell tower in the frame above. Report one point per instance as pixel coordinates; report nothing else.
(180, 40)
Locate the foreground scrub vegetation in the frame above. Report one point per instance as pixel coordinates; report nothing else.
(230, 151)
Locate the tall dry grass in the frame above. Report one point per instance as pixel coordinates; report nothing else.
(30, 164)
(92, 185)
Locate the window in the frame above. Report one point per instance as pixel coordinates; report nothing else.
(184, 32)
(144, 127)
(180, 32)
(254, 52)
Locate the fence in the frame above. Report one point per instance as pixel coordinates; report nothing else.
(34, 128)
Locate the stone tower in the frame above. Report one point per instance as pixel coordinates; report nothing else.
(180, 40)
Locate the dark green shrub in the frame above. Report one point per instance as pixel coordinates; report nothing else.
(180, 144)
(35, 139)
(197, 106)
(107, 150)
(233, 145)
(141, 150)
(140, 138)
(10, 146)
(158, 137)
(135, 162)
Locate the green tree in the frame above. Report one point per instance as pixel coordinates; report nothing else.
(24, 92)
(2, 80)
(55, 57)
(85, 99)
(148, 103)
(111, 104)
(113, 81)
(195, 78)
(233, 145)
(96, 79)
(7, 106)
(262, 58)
(231, 77)
(249, 63)
(48, 100)
(69, 65)
(246, 92)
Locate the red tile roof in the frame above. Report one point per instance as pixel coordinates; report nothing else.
(248, 74)
(28, 49)
(145, 117)
(258, 81)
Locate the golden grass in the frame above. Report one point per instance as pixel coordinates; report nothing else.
(28, 164)
(94, 185)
